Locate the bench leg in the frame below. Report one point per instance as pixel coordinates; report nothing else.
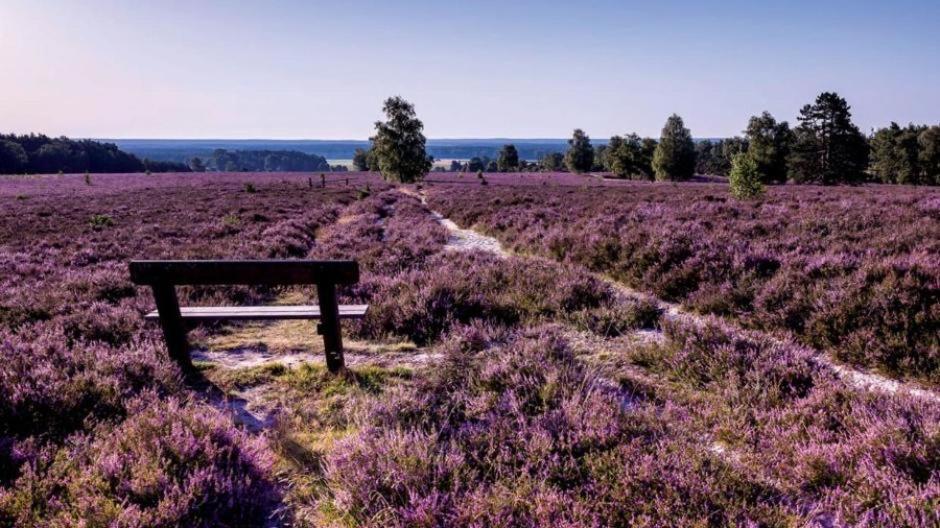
(329, 327)
(171, 321)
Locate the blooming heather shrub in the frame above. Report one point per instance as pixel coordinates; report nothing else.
(75, 350)
(887, 304)
(386, 233)
(863, 458)
(522, 435)
(850, 270)
(52, 388)
(458, 288)
(171, 463)
(294, 237)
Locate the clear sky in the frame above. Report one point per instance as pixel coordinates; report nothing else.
(307, 69)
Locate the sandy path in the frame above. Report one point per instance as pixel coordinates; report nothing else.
(854, 377)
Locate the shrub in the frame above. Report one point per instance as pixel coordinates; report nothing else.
(745, 178)
(171, 463)
(617, 320)
(520, 434)
(100, 221)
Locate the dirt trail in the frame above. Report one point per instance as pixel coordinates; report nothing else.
(853, 377)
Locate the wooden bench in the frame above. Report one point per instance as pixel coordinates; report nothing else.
(163, 276)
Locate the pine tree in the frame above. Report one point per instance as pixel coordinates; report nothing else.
(399, 143)
(580, 155)
(508, 159)
(674, 158)
(828, 148)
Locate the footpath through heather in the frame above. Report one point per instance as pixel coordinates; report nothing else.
(467, 238)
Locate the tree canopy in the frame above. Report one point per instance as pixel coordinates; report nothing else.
(362, 160)
(399, 143)
(40, 154)
(265, 161)
(553, 161)
(828, 148)
(508, 158)
(580, 155)
(630, 157)
(769, 146)
(674, 158)
(906, 155)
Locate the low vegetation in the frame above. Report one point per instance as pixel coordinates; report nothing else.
(533, 390)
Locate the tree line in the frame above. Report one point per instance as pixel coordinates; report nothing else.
(825, 147)
(223, 160)
(40, 154)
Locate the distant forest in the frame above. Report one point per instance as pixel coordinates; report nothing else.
(39, 154)
(261, 161)
(183, 150)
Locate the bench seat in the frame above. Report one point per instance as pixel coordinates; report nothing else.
(219, 313)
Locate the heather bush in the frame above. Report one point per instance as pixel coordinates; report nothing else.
(75, 448)
(865, 458)
(53, 388)
(458, 288)
(171, 463)
(846, 270)
(521, 435)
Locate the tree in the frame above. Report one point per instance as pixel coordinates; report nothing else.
(399, 143)
(828, 148)
(197, 165)
(600, 158)
(553, 161)
(13, 158)
(674, 159)
(745, 177)
(476, 164)
(895, 154)
(630, 157)
(361, 159)
(580, 155)
(929, 145)
(455, 166)
(508, 158)
(706, 153)
(769, 146)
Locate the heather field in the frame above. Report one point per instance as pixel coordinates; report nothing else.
(617, 354)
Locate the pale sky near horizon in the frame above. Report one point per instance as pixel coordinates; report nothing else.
(319, 70)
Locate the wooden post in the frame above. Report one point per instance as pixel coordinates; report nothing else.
(171, 321)
(329, 326)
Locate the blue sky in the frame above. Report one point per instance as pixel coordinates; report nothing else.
(293, 69)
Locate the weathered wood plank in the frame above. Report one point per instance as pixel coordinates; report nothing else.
(216, 313)
(250, 272)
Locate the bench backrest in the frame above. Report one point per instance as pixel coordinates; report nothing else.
(248, 272)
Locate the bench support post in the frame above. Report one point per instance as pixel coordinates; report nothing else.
(329, 327)
(171, 321)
